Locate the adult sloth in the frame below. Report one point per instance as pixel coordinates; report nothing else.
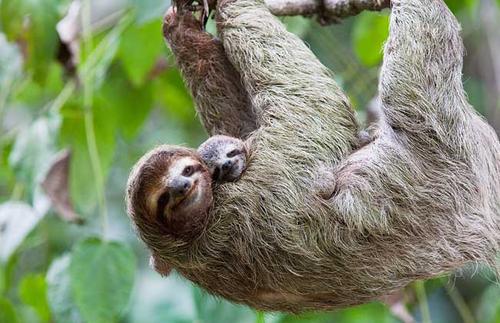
(313, 225)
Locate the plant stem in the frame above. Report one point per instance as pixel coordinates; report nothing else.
(422, 301)
(88, 98)
(460, 304)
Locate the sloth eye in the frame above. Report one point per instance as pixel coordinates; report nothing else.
(233, 153)
(188, 171)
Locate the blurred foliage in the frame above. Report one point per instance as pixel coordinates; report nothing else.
(122, 97)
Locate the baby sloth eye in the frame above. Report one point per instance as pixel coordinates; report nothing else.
(233, 153)
(188, 171)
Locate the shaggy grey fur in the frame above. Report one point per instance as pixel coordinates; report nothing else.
(315, 224)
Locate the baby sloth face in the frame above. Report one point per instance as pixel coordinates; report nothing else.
(225, 157)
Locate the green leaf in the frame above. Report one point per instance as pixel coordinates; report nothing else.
(102, 276)
(33, 292)
(174, 96)
(17, 219)
(298, 25)
(488, 310)
(150, 9)
(140, 48)
(33, 149)
(7, 311)
(59, 291)
(95, 64)
(73, 136)
(369, 34)
(10, 66)
(32, 22)
(372, 312)
(459, 5)
(131, 104)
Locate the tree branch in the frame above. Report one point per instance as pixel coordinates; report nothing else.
(328, 10)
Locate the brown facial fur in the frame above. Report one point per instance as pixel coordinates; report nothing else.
(184, 223)
(420, 200)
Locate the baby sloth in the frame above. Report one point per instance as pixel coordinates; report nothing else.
(225, 157)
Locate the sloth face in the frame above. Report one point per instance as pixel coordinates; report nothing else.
(225, 157)
(183, 188)
(170, 187)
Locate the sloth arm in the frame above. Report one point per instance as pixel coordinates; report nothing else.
(421, 78)
(304, 116)
(421, 161)
(221, 100)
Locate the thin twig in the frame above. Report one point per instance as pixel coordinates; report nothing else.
(330, 9)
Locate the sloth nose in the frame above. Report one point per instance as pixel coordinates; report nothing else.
(227, 165)
(179, 187)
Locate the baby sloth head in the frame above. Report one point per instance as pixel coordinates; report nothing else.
(170, 188)
(225, 157)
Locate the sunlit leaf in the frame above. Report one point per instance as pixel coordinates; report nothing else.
(102, 275)
(33, 292)
(10, 66)
(59, 291)
(150, 9)
(17, 219)
(460, 5)
(7, 311)
(140, 48)
(95, 64)
(369, 34)
(33, 150)
(373, 312)
(32, 22)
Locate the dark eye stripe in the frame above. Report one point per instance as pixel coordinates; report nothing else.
(161, 204)
(233, 153)
(215, 175)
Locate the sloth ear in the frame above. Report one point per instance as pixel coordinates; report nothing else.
(160, 266)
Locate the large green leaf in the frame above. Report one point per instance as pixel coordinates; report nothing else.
(33, 292)
(140, 48)
(7, 312)
(102, 275)
(370, 32)
(59, 291)
(148, 10)
(32, 22)
(10, 67)
(173, 95)
(131, 104)
(73, 136)
(17, 219)
(33, 150)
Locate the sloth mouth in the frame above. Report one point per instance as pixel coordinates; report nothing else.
(185, 197)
